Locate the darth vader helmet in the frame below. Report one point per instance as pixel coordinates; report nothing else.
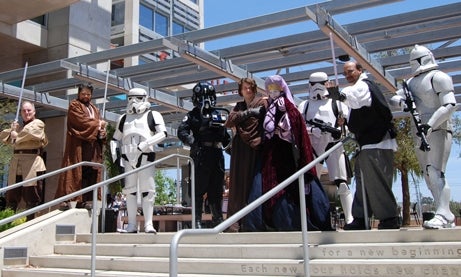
(137, 101)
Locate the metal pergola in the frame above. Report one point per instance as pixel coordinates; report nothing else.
(376, 43)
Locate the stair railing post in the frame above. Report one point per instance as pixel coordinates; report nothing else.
(302, 202)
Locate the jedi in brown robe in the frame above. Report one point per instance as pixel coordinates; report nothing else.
(245, 152)
(84, 141)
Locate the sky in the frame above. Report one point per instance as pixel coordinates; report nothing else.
(244, 9)
(236, 10)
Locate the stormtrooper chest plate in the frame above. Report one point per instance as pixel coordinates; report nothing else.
(135, 129)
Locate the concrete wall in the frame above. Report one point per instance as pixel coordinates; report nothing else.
(39, 235)
(77, 30)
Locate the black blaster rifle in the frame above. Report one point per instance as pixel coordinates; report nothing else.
(411, 107)
(325, 127)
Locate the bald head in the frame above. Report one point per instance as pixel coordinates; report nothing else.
(352, 71)
(27, 111)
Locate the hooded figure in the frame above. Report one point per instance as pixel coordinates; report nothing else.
(286, 149)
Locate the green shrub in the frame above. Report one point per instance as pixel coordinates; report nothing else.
(7, 213)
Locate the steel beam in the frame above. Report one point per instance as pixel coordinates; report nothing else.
(352, 47)
(216, 64)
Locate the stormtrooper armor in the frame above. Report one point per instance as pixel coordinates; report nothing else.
(317, 89)
(320, 107)
(433, 93)
(421, 60)
(136, 134)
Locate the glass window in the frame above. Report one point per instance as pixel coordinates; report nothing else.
(161, 24)
(40, 20)
(118, 13)
(177, 28)
(146, 16)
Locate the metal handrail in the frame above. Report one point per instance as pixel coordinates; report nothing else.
(85, 190)
(173, 266)
(52, 202)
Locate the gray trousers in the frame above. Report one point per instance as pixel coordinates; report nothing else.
(375, 165)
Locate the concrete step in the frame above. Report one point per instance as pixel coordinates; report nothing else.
(250, 267)
(404, 252)
(403, 235)
(268, 251)
(62, 272)
(413, 250)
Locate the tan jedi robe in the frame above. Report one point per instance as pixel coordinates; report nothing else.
(31, 137)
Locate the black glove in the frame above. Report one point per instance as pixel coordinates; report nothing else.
(334, 94)
(408, 105)
(190, 139)
(252, 112)
(425, 128)
(336, 135)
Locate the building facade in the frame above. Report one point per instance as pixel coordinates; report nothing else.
(52, 30)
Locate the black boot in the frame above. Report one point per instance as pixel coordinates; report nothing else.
(198, 212)
(357, 224)
(30, 206)
(216, 214)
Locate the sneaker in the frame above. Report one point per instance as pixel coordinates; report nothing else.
(437, 222)
(389, 223)
(356, 224)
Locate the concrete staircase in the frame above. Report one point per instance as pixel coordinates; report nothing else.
(405, 252)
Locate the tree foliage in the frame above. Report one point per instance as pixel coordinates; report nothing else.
(113, 169)
(457, 130)
(165, 188)
(405, 163)
(7, 113)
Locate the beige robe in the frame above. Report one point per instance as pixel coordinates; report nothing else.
(31, 137)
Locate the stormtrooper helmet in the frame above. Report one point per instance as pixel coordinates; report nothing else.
(317, 89)
(204, 95)
(421, 60)
(137, 101)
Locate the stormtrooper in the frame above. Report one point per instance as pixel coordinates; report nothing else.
(203, 130)
(136, 134)
(434, 99)
(320, 113)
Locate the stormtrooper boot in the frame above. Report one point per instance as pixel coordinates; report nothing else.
(443, 218)
(148, 211)
(345, 195)
(132, 210)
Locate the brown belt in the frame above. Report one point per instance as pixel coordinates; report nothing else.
(212, 144)
(27, 151)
